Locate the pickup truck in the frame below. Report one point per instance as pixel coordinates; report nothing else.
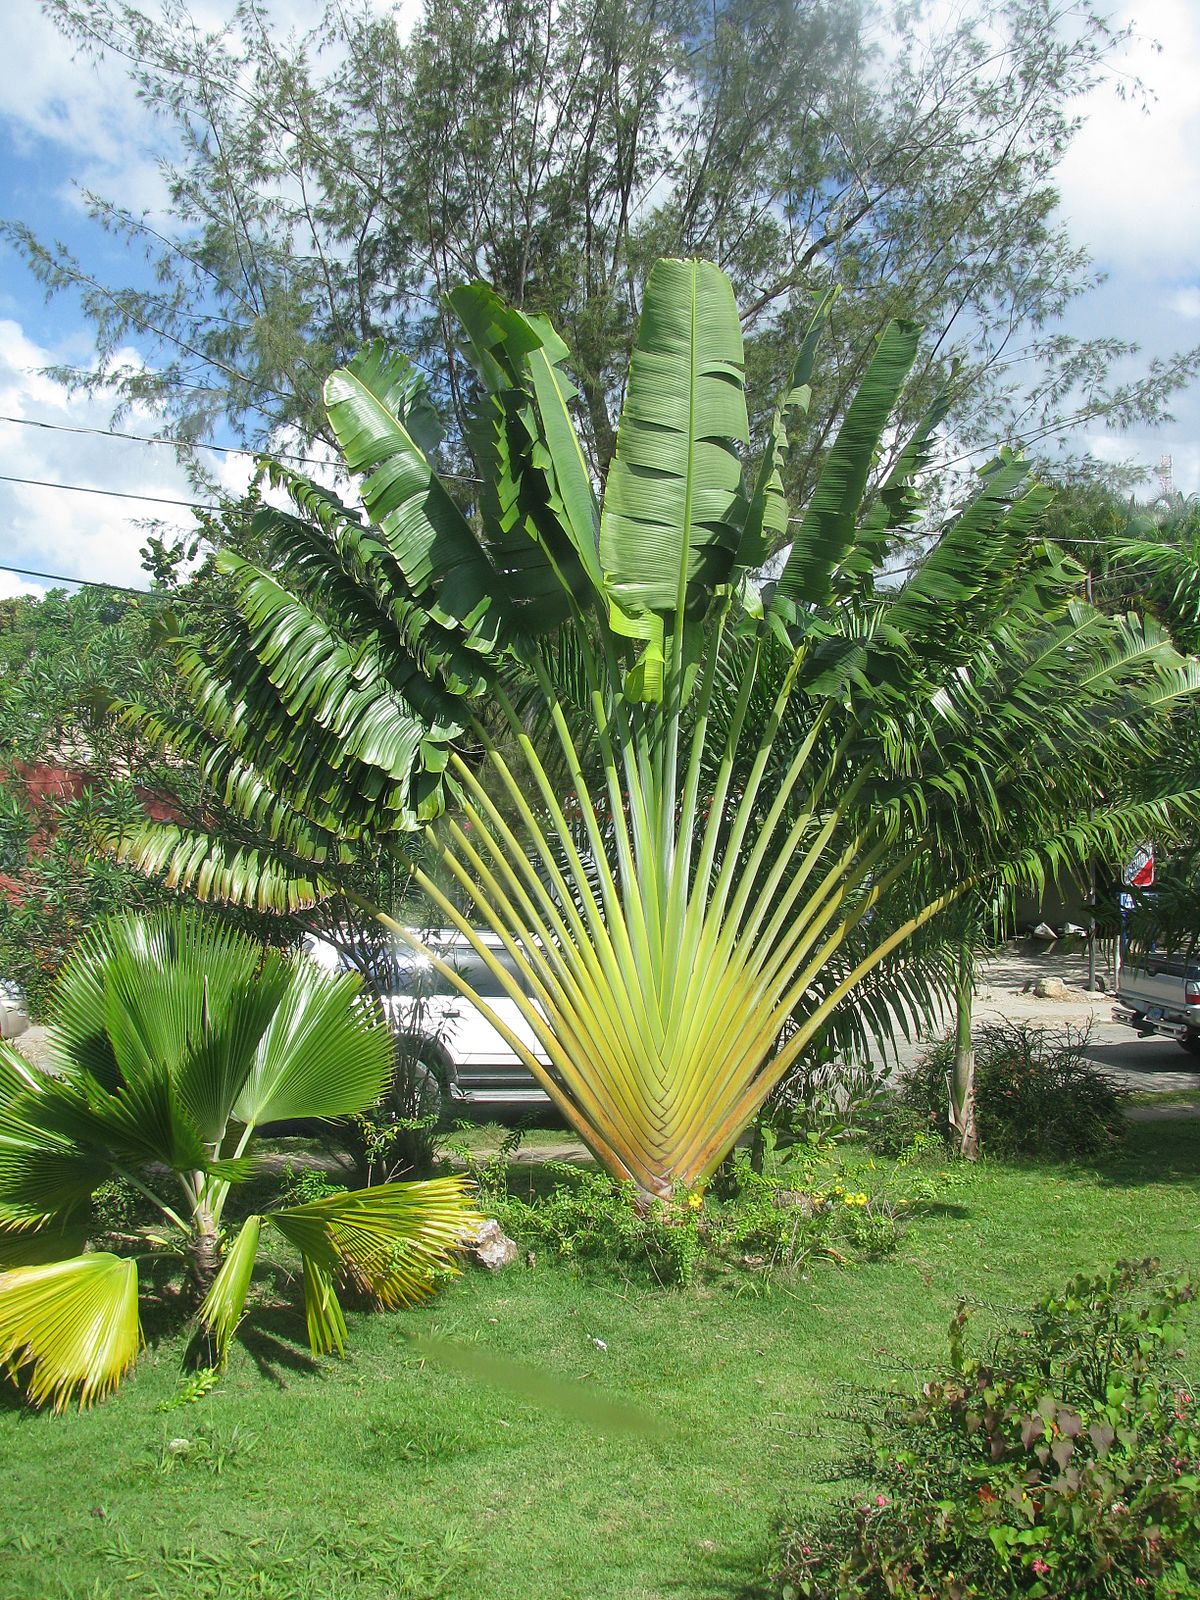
(1161, 994)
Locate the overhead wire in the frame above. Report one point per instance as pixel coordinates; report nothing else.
(114, 494)
(188, 600)
(89, 583)
(187, 444)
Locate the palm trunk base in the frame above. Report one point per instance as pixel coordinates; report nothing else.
(962, 1109)
(962, 1083)
(201, 1263)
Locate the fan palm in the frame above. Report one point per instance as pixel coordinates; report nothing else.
(739, 801)
(174, 1040)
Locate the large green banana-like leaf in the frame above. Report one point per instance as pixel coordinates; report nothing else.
(350, 572)
(671, 520)
(402, 388)
(828, 529)
(766, 524)
(321, 677)
(568, 483)
(74, 1324)
(442, 562)
(308, 800)
(898, 504)
(211, 869)
(536, 492)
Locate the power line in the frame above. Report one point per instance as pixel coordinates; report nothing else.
(115, 494)
(146, 438)
(188, 600)
(86, 583)
(189, 444)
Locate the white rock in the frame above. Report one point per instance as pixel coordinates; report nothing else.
(488, 1244)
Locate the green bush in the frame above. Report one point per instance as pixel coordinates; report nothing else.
(1036, 1094)
(1065, 1461)
(810, 1203)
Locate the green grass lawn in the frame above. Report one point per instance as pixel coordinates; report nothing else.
(388, 1474)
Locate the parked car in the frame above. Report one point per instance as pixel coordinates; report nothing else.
(471, 1066)
(14, 1019)
(1160, 994)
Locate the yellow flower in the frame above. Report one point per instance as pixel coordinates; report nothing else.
(695, 1200)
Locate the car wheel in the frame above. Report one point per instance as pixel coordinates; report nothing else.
(1191, 1042)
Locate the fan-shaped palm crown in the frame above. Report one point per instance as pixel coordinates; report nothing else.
(174, 1039)
(769, 788)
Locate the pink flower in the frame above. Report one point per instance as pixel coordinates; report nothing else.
(881, 1500)
(1041, 1567)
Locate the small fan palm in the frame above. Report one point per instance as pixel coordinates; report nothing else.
(739, 802)
(174, 1040)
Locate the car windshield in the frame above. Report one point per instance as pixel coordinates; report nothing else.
(422, 978)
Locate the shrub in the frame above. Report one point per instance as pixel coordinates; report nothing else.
(809, 1204)
(1063, 1462)
(1035, 1094)
(828, 1097)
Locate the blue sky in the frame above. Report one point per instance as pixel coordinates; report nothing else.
(1130, 192)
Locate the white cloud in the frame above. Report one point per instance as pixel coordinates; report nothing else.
(12, 586)
(51, 91)
(1130, 178)
(46, 92)
(1184, 302)
(1159, 453)
(55, 529)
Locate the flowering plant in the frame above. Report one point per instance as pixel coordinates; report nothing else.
(1065, 1461)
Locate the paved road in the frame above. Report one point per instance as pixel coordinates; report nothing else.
(1004, 993)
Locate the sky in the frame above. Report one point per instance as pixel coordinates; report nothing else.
(1130, 188)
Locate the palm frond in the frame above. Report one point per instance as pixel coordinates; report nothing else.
(73, 1324)
(391, 1239)
(224, 1305)
(326, 1052)
(827, 530)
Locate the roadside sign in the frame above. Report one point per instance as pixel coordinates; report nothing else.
(1139, 873)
